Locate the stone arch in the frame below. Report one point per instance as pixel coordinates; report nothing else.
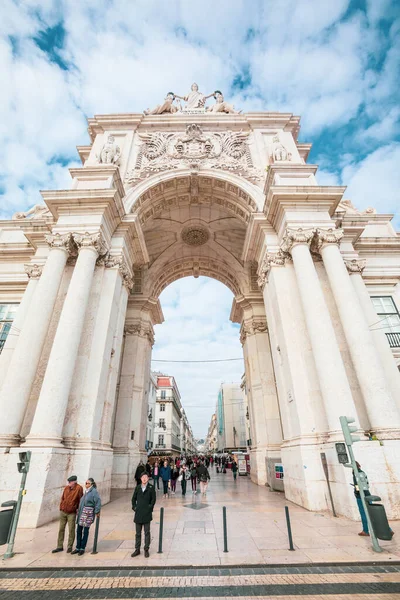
(171, 189)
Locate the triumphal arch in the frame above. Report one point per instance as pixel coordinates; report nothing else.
(193, 187)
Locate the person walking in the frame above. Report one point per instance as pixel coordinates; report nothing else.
(184, 475)
(69, 504)
(234, 470)
(165, 474)
(204, 477)
(88, 511)
(174, 478)
(193, 478)
(143, 501)
(156, 474)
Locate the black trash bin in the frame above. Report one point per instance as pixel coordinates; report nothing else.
(6, 517)
(378, 518)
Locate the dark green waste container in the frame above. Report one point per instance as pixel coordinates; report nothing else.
(378, 518)
(6, 517)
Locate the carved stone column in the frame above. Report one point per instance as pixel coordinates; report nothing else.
(131, 415)
(34, 272)
(25, 359)
(332, 377)
(116, 283)
(47, 425)
(265, 422)
(381, 408)
(355, 269)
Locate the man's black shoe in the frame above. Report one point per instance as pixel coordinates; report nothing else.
(57, 550)
(136, 553)
(81, 552)
(76, 551)
(146, 554)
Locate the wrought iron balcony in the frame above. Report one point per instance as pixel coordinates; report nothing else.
(160, 445)
(393, 339)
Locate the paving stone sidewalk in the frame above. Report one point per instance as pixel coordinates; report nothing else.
(193, 533)
(339, 582)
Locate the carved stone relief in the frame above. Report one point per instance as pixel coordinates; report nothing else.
(110, 153)
(140, 328)
(194, 149)
(195, 235)
(251, 327)
(33, 271)
(355, 266)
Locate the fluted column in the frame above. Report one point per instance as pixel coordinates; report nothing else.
(332, 377)
(25, 359)
(34, 272)
(47, 425)
(381, 345)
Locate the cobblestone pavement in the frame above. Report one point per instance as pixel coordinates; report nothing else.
(193, 533)
(335, 582)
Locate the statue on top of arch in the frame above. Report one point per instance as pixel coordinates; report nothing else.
(194, 103)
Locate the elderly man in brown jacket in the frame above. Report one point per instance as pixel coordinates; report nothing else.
(69, 505)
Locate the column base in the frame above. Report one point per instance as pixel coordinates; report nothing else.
(9, 440)
(33, 441)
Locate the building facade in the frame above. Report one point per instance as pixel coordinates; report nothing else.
(212, 436)
(231, 418)
(177, 193)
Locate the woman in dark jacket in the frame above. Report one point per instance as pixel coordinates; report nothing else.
(165, 473)
(174, 477)
(89, 509)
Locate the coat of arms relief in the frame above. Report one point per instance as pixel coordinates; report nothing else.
(194, 149)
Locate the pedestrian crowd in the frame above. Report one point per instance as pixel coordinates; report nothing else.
(80, 508)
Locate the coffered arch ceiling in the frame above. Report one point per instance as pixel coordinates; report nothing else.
(195, 224)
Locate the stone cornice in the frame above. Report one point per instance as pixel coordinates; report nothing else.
(292, 168)
(284, 198)
(97, 173)
(304, 150)
(84, 152)
(117, 122)
(372, 245)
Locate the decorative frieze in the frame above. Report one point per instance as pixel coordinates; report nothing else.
(355, 266)
(33, 271)
(277, 259)
(251, 327)
(140, 328)
(94, 241)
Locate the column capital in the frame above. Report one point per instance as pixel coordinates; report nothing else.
(33, 271)
(355, 266)
(140, 328)
(119, 262)
(329, 236)
(294, 237)
(277, 259)
(251, 327)
(62, 241)
(93, 241)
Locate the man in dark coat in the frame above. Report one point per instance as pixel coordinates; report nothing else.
(143, 501)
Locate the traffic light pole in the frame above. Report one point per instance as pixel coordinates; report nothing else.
(10, 548)
(349, 439)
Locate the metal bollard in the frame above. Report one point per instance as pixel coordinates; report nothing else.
(225, 529)
(96, 535)
(289, 529)
(161, 530)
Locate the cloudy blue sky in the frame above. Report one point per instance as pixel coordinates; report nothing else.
(337, 64)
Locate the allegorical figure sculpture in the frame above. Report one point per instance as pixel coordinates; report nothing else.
(110, 152)
(279, 152)
(168, 106)
(220, 105)
(194, 99)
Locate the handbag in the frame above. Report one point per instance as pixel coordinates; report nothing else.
(87, 516)
(180, 477)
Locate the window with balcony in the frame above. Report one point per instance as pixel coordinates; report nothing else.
(7, 315)
(163, 394)
(161, 443)
(389, 319)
